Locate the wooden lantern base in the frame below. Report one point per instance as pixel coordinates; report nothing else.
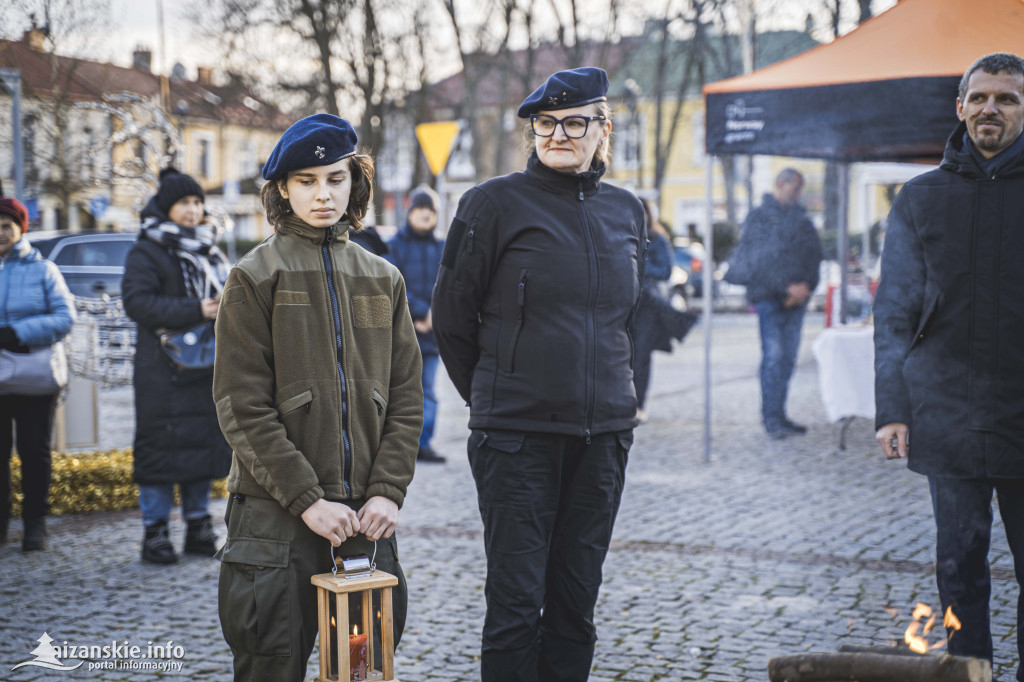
(340, 586)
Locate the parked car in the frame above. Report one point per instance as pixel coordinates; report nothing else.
(687, 278)
(92, 262)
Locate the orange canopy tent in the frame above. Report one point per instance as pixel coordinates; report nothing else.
(885, 91)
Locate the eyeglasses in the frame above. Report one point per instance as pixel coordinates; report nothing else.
(573, 126)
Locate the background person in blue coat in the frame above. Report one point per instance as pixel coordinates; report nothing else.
(416, 252)
(949, 356)
(172, 280)
(778, 260)
(36, 309)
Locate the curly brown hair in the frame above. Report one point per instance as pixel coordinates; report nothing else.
(361, 167)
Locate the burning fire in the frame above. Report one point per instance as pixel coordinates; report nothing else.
(919, 642)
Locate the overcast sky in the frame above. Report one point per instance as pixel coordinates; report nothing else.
(134, 23)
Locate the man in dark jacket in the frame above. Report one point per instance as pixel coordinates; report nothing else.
(949, 357)
(778, 260)
(416, 252)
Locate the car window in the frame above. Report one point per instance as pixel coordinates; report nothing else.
(97, 254)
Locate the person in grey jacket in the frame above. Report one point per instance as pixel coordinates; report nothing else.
(36, 309)
(949, 357)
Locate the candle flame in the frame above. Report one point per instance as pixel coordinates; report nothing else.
(355, 629)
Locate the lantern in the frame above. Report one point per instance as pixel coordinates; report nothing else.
(332, 590)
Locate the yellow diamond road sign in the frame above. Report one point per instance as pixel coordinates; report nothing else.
(436, 140)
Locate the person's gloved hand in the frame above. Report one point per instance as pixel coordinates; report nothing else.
(9, 340)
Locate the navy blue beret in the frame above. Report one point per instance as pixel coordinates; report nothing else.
(317, 140)
(566, 89)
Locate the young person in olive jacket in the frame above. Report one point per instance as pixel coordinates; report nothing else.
(532, 311)
(172, 280)
(949, 342)
(317, 386)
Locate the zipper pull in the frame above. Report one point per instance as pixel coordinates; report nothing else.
(522, 288)
(329, 235)
(587, 432)
(581, 195)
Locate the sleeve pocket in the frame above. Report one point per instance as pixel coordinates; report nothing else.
(254, 590)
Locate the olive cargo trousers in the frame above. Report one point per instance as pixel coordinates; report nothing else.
(267, 604)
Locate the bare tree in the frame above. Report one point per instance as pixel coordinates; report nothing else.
(58, 156)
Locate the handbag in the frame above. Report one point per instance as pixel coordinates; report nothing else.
(190, 348)
(41, 371)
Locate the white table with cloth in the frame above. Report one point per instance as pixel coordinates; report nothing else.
(846, 373)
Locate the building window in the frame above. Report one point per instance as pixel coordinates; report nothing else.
(203, 162)
(628, 143)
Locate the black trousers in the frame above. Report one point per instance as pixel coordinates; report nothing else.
(963, 521)
(548, 504)
(267, 604)
(31, 417)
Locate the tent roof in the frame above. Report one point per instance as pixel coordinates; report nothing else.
(913, 39)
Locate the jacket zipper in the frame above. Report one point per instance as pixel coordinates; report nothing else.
(325, 254)
(521, 300)
(595, 273)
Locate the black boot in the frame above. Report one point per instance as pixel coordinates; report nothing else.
(200, 538)
(35, 534)
(156, 545)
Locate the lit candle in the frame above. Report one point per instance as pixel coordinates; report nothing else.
(357, 654)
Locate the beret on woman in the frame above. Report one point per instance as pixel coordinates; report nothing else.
(317, 140)
(566, 89)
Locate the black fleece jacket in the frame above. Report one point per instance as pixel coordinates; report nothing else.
(533, 307)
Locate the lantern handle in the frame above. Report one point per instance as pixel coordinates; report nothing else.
(334, 561)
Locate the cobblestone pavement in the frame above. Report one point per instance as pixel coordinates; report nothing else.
(772, 548)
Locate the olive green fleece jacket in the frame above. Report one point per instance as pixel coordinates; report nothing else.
(299, 428)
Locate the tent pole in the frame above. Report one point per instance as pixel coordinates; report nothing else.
(707, 298)
(844, 237)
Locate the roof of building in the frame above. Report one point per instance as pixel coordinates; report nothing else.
(45, 75)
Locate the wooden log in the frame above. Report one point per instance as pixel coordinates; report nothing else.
(885, 650)
(844, 667)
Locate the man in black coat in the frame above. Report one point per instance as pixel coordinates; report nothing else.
(778, 261)
(949, 341)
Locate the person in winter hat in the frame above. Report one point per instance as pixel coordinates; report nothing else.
(36, 309)
(172, 281)
(416, 251)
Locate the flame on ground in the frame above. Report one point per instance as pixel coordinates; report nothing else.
(919, 642)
